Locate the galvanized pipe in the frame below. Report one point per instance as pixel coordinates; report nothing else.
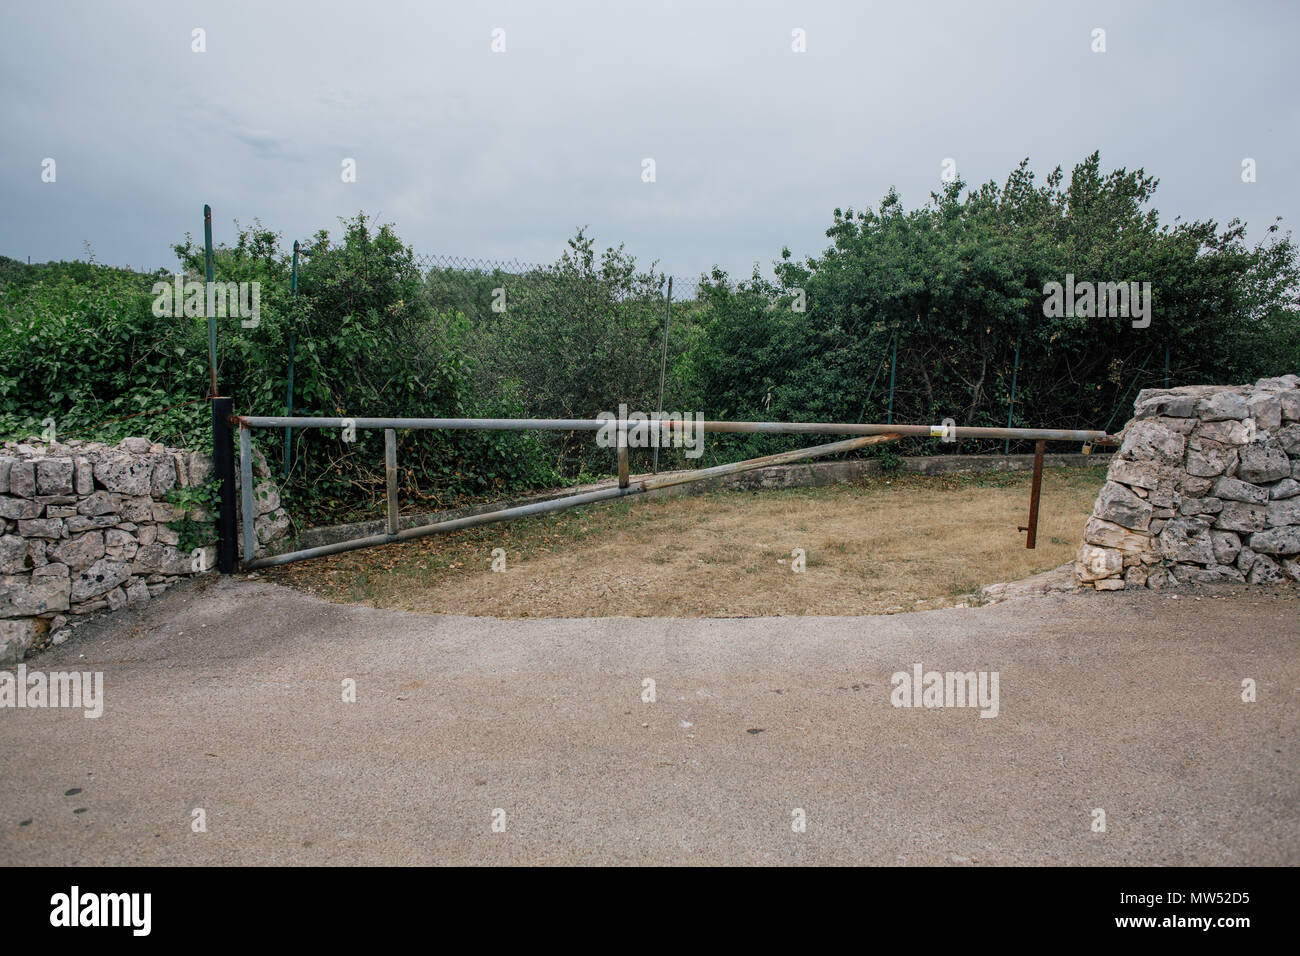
(571, 501)
(671, 425)
(455, 524)
(246, 490)
(390, 469)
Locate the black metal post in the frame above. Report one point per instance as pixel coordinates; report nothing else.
(223, 463)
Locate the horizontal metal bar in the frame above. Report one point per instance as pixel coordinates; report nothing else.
(767, 461)
(571, 501)
(672, 425)
(483, 424)
(455, 524)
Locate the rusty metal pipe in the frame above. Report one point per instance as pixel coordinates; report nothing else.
(673, 425)
(767, 461)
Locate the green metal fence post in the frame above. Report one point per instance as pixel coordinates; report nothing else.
(1015, 369)
(893, 367)
(293, 343)
(663, 367)
(208, 301)
(223, 466)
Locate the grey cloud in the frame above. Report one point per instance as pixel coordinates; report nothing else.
(501, 155)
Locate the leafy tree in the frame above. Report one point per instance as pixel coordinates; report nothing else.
(574, 340)
(958, 283)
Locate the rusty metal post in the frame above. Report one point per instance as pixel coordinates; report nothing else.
(1032, 540)
(390, 469)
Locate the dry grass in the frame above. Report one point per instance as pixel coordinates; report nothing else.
(882, 545)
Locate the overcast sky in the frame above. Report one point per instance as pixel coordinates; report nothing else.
(502, 154)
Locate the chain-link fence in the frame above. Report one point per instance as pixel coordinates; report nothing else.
(582, 336)
(568, 340)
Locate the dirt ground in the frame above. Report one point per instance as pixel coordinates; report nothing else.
(882, 545)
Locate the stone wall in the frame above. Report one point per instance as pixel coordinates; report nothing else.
(85, 527)
(1205, 487)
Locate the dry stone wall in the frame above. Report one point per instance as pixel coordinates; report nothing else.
(87, 527)
(1205, 487)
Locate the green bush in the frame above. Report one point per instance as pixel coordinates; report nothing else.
(956, 286)
(86, 351)
(959, 283)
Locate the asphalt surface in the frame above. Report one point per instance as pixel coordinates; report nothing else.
(228, 698)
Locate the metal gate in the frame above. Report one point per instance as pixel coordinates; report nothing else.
(864, 435)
